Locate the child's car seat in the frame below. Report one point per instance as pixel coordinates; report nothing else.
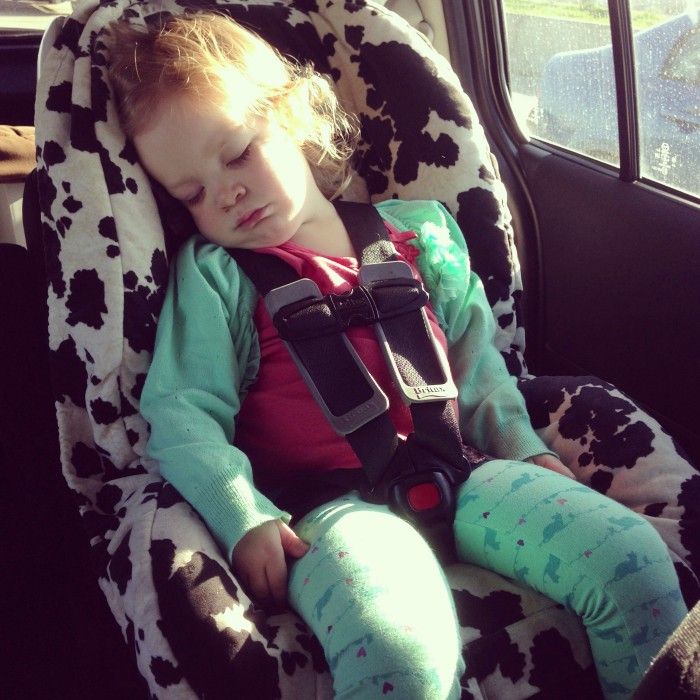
(192, 628)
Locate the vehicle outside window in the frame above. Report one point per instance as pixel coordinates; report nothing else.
(562, 81)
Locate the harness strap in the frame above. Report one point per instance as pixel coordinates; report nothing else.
(416, 477)
(409, 345)
(421, 480)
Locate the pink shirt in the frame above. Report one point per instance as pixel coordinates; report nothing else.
(279, 416)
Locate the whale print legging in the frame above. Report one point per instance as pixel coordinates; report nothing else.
(378, 601)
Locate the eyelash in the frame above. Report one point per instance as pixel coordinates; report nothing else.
(242, 158)
(193, 201)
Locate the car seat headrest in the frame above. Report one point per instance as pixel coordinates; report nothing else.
(103, 233)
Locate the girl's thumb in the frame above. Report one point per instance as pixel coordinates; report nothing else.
(291, 542)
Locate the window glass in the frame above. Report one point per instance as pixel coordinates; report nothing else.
(562, 79)
(31, 15)
(667, 57)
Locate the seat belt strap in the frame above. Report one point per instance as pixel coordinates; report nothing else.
(418, 362)
(416, 477)
(421, 481)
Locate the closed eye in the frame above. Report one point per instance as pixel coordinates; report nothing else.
(193, 201)
(240, 159)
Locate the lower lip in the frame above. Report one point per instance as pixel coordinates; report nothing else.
(253, 219)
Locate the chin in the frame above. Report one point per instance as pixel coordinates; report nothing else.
(273, 236)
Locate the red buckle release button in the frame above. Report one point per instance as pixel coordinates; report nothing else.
(424, 496)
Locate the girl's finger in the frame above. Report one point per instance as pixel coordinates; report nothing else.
(276, 577)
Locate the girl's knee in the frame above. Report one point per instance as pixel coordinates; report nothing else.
(636, 545)
(632, 570)
(379, 604)
(645, 536)
(560, 537)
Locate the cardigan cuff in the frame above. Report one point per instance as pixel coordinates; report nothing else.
(234, 507)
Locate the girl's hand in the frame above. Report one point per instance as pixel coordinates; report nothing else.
(259, 560)
(552, 463)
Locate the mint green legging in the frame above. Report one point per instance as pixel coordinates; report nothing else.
(378, 601)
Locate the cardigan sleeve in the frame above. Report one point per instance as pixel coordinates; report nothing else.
(492, 412)
(206, 351)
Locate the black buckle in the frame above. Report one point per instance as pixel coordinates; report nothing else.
(308, 314)
(425, 498)
(420, 487)
(322, 315)
(412, 465)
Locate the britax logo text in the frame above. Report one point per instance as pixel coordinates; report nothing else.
(437, 390)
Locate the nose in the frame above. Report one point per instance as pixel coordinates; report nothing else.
(230, 194)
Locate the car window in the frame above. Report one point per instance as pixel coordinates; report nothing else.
(19, 16)
(560, 66)
(562, 81)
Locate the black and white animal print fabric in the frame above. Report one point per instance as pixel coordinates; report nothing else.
(192, 628)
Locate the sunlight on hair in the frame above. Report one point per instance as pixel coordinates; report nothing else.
(238, 96)
(211, 57)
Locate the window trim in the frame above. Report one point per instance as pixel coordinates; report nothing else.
(622, 39)
(477, 50)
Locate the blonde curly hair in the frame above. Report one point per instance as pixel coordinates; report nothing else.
(213, 57)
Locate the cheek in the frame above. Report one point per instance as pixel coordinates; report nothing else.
(199, 219)
(286, 167)
(297, 179)
(206, 224)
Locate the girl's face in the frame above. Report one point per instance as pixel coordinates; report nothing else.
(246, 185)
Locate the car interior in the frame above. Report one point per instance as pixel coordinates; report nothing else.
(113, 587)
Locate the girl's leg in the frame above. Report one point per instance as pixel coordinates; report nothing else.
(377, 600)
(600, 559)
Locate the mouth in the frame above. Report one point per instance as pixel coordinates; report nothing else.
(248, 220)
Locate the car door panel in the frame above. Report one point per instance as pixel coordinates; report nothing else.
(619, 285)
